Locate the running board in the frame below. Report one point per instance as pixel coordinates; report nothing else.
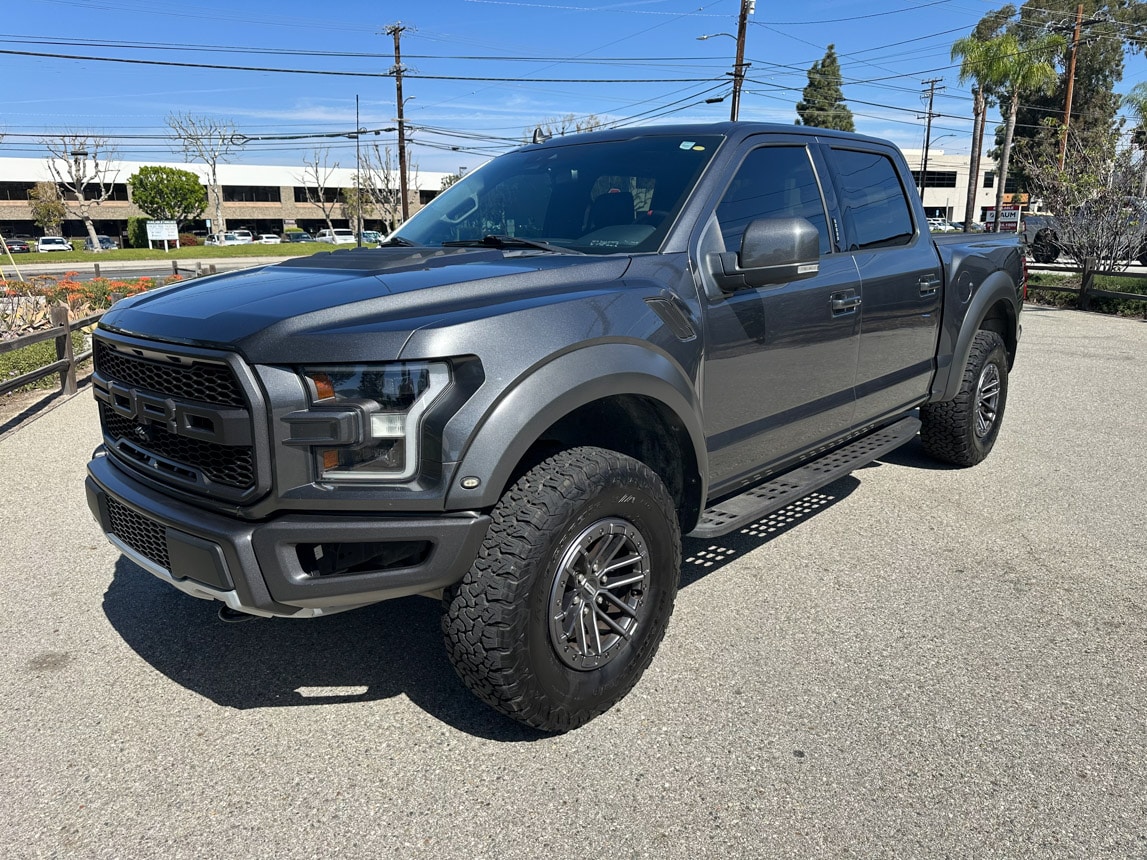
(748, 507)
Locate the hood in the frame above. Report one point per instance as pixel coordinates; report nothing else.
(387, 293)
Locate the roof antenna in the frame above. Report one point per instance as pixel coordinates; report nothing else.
(540, 136)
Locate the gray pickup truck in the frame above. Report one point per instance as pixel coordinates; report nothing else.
(577, 354)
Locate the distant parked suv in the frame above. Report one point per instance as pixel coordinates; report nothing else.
(245, 237)
(337, 236)
(53, 243)
(297, 236)
(106, 244)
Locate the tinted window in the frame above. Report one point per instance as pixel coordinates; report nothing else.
(605, 197)
(872, 200)
(772, 182)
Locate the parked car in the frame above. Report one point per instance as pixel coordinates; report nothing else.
(941, 225)
(297, 236)
(18, 246)
(245, 237)
(269, 239)
(1040, 238)
(371, 236)
(53, 243)
(337, 236)
(225, 239)
(106, 244)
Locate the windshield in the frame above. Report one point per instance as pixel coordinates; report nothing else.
(608, 197)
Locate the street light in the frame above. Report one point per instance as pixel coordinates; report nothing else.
(739, 65)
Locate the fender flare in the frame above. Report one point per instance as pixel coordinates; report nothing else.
(545, 394)
(997, 288)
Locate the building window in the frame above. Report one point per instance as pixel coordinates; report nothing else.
(306, 195)
(936, 179)
(251, 194)
(93, 191)
(14, 190)
(1010, 187)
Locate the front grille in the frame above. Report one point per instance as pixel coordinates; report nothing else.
(179, 418)
(145, 536)
(201, 381)
(233, 465)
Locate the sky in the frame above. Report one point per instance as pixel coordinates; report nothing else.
(477, 73)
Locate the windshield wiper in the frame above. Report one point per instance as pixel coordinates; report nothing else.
(495, 241)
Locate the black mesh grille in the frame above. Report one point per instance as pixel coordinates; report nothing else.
(202, 381)
(233, 465)
(145, 536)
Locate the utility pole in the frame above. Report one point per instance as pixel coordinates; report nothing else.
(396, 30)
(1070, 85)
(357, 174)
(747, 7)
(931, 85)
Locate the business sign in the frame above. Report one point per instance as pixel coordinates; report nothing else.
(158, 231)
(1009, 218)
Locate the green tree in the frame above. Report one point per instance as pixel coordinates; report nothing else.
(1022, 69)
(168, 193)
(979, 65)
(48, 207)
(1136, 100)
(1108, 32)
(822, 103)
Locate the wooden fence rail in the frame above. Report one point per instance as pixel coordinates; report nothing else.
(67, 359)
(1086, 290)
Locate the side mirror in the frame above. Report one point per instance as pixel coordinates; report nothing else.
(773, 251)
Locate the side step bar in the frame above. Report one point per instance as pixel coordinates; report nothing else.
(748, 507)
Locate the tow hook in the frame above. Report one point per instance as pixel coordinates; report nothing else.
(234, 616)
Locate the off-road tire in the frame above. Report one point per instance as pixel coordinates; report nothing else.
(500, 623)
(963, 430)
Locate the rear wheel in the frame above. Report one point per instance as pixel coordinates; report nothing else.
(571, 592)
(962, 431)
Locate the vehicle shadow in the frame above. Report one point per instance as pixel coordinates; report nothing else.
(379, 652)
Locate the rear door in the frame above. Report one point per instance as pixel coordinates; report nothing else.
(901, 275)
(780, 360)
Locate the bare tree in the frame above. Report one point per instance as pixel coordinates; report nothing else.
(1099, 221)
(561, 126)
(381, 182)
(83, 166)
(209, 142)
(316, 181)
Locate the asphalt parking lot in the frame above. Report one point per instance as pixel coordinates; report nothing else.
(916, 662)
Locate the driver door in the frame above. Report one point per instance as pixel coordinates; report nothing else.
(781, 359)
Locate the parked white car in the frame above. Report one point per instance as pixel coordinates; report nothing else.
(225, 239)
(337, 236)
(269, 239)
(244, 236)
(53, 243)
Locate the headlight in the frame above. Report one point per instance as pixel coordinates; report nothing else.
(364, 420)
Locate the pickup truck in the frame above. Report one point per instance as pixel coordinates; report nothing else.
(579, 353)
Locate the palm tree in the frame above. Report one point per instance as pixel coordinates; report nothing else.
(1137, 101)
(979, 64)
(1023, 69)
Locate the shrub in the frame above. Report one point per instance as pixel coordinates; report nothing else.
(188, 240)
(137, 232)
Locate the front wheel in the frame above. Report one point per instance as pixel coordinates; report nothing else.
(963, 430)
(571, 592)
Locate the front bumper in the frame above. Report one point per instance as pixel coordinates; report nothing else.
(257, 568)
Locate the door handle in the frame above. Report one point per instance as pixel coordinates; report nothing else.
(929, 284)
(843, 304)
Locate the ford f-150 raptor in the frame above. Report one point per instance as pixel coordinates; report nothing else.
(575, 355)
